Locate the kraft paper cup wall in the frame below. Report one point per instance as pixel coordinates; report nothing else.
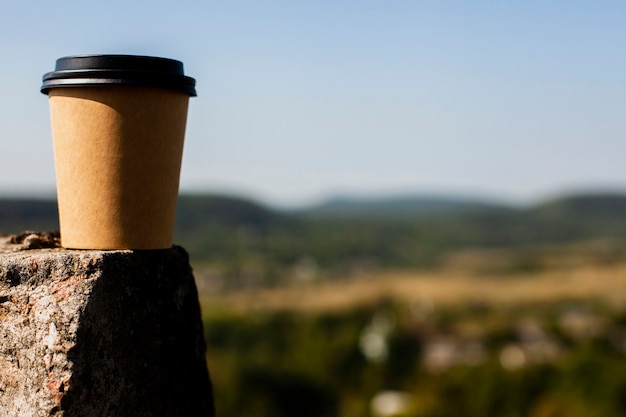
(118, 127)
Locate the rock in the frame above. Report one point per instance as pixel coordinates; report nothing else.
(99, 333)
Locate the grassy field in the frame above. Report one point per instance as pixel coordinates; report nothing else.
(445, 287)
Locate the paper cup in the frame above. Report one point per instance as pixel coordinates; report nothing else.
(118, 142)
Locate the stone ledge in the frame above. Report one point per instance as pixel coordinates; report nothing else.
(100, 333)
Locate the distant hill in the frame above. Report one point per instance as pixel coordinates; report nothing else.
(581, 216)
(20, 214)
(251, 243)
(601, 206)
(194, 210)
(403, 206)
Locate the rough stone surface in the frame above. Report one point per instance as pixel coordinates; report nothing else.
(99, 333)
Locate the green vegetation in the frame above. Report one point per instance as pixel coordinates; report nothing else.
(562, 359)
(548, 354)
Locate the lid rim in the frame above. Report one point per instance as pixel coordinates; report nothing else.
(119, 74)
(101, 82)
(140, 70)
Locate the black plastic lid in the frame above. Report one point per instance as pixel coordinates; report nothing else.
(132, 70)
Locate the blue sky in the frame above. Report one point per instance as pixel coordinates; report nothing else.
(302, 100)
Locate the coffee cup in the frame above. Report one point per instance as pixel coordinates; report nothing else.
(118, 127)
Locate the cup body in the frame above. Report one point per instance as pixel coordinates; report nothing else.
(118, 151)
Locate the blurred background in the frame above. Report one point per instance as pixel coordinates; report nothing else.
(392, 209)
